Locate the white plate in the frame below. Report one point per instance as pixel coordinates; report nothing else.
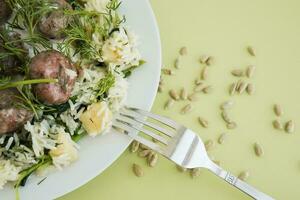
(96, 154)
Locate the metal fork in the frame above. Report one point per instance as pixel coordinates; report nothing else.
(177, 143)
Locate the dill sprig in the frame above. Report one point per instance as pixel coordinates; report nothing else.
(105, 84)
(14, 84)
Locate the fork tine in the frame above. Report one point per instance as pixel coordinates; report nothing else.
(164, 120)
(138, 126)
(130, 132)
(149, 124)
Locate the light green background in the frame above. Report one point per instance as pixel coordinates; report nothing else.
(223, 28)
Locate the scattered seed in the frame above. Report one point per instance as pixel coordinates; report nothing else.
(161, 81)
(177, 63)
(160, 89)
(183, 51)
(237, 72)
(242, 87)
(195, 172)
(203, 122)
(169, 104)
(277, 124)
(198, 88)
(278, 110)
(186, 109)
(222, 138)
(217, 162)
(250, 71)
(183, 94)
(227, 105)
(198, 81)
(181, 169)
(203, 59)
(258, 149)
(173, 94)
(231, 125)
(144, 153)
(232, 88)
(137, 170)
(251, 51)
(210, 60)
(134, 146)
(207, 89)
(204, 73)
(244, 175)
(209, 144)
(152, 159)
(290, 126)
(226, 117)
(168, 71)
(250, 89)
(193, 97)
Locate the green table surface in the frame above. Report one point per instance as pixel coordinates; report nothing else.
(222, 29)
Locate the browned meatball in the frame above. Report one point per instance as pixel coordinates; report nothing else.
(5, 11)
(53, 24)
(11, 64)
(12, 117)
(53, 64)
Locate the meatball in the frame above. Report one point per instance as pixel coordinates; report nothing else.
(12, 117)
(11, 64)
(53, 24)
(5, 11)
(53, 64)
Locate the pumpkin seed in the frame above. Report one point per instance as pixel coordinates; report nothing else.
(203, 122)
(195, 172)
(278, 110)
(290, 126)
(232, 88)
(183, 51)
(198, 88)
(258, 149)
(203, 59)
(168, 72)
(277, 124)
(222, 138)
(242, 87)
(144, 153)
(143, 147)
(161, 81)
(237, 72)
(137, 170)
(183, 94)
(193, 97)
(217, 162)
(177, 63)
(250, 89)
(186, 109)
(173, 94)
(227, 105)
(250, 71)
(204, 73)
(198, 81)
(209, 144)
(226, 117)
(244, 175)
(251, 51)
(181, 169)
(231, 125)
(169, 104)
(210, 60)
(134, 146)
(152, 159)
(207, 89)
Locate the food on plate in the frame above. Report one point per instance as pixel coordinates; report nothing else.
(63, 76)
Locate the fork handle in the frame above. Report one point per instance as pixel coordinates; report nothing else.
(241, 185)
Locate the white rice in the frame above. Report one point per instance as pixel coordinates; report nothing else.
(8, 172)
